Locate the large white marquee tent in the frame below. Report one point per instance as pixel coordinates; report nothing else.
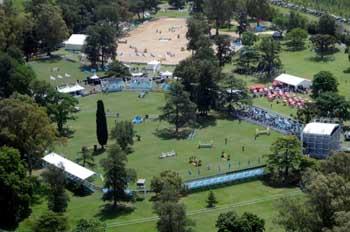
(294, 81)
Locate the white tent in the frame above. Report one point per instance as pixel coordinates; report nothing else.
(71, 168)
(166, 74)
(71, 89)
(139, 74)
(153, 65)
(319, 128)
(94, 77)
(75, 42)
(293, 81)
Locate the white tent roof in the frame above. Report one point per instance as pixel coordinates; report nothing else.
(320, 128)
(69, 166)
(166, 73)
(293, 80)
(76, 39)
(94, 77)
(70, 88)
(139, 74)
(153, 62)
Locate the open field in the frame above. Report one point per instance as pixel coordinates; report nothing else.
(161, 39)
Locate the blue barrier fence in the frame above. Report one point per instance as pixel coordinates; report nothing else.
(226, 178)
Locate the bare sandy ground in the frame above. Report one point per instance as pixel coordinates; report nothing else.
(163, 39)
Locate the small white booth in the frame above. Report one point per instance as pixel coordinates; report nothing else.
(75, 90)
(153, 65)
(75, 42)
(294, 81)
(73, 171)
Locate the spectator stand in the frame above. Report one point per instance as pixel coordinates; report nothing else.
(109, 85)
(143, 83)
(265, 118)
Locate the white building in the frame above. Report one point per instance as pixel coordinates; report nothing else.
(153, 65)
(75, 42)
(320, 139)
(294, 81)
(72, 170)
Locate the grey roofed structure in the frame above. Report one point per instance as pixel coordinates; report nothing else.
(321, 139)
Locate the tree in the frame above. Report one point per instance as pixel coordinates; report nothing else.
(178, 4)
(15, 189)
(172, 215)
(248, 56)
(61, 108)
(295, 20)
(166, 178)
(296, 38)
(326, 25)
(285, 161)
(269, 59)
(51, 222)
(219, 11)
(91, 225)
(324, 81)
(118, 69)
(308, 112)
(100, 43)
(249, 38)
(50, 27)
(333, 105)
(101, 124)
(197, 29)
(224, 51)
(178, 110)
(15, 76)
(123, 133)
(258, 9)
(197, 6)
(323, 43)
(115, 174)
(57, 196)
(325, 205)
(26, 127)
(211, 200)
(86, 158)
(231, 222)
(234, 93)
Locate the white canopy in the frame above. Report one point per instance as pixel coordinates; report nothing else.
(94, 77)
(319, 128)
(139, 74)
(153, 65)
(166, 74)
(75, 42)
(70, 88)
(293, 81)
(69, 166)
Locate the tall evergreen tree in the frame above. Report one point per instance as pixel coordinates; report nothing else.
(15, 189)
(178, 110)
(56, 180)
(101, 124)
(115, 174)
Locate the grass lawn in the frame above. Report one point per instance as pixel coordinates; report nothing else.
(253, 197)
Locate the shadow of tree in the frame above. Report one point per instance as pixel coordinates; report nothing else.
(169, 133)
(206, 121)
(107, 211)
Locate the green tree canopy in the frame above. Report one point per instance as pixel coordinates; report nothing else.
(57, 196)
(269, 60)
(326, 25)
(51, 222)
(26, 127)
(15, 189)
(91, 225)
(333, 105)
(166, 178)
(231, 222)
(118, 69)
(296, 38)
(123, 133)
(249, 38)
(178, 110)
(323, 43)
(324, 81)
(115, 174)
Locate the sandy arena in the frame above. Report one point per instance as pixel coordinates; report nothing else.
(163, 40)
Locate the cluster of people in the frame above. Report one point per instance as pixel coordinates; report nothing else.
(272, 120)
(280, 94)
